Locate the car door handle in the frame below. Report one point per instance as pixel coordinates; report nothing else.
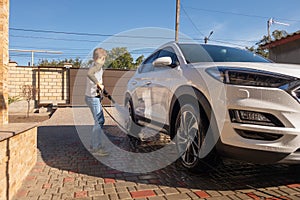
(148, 82)
(133, 82)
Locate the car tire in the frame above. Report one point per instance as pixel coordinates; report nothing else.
(190, 127)
(132, 128)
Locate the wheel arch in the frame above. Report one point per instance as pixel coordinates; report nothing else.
(127, 99)
(188, 93)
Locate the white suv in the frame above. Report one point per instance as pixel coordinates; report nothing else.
(218, 100)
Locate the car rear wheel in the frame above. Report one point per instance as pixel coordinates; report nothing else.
(131, 125)
(191, 127)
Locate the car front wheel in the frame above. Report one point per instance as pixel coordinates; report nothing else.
(191, 127)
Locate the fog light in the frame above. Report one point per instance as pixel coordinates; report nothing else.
(252, 117)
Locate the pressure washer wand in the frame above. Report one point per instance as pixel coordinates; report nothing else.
(118, 109)
(108, 96)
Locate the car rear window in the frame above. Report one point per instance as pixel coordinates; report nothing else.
(194, 53)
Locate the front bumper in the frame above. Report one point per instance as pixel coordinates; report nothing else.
(293, 158)
(265, 100)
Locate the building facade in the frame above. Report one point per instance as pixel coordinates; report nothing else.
(285, 50)
(4, 59)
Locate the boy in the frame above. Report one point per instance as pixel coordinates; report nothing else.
(94, 89)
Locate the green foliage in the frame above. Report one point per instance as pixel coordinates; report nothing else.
(276, 35)
(279, 34)
(60, 63)
(120, 58)
(117, 58)
(260, 51)
(13, 99)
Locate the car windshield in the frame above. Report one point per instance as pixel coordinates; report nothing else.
(194, 53)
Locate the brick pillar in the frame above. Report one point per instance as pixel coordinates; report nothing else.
(4, 59)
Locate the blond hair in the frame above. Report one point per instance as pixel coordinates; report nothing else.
(99, 53)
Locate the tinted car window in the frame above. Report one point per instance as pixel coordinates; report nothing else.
(151, 58)
(194, 53)
(147, 64)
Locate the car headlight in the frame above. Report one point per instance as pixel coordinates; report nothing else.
(249, 77)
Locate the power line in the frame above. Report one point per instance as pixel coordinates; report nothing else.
(72, 49)
(194, 25)
(50, 38)
(219, 41)
(230, 43)
(240, 14)
(196, 39)
(79, 40)
(32, 51)
(88, 34)
(119, 42)
(51, 48)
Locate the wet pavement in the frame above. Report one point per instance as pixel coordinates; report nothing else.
(66, 170)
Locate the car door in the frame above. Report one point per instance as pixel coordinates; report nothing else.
(163, 80)
(141, 95)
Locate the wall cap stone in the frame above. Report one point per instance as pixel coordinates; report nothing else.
(11, 129)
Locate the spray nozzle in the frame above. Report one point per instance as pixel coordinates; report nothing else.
(108, 96)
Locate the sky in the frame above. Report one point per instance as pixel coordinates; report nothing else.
(73, 28)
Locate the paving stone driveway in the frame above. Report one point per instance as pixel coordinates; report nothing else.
(66, 170)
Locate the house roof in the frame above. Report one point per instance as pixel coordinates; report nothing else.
(289, 38)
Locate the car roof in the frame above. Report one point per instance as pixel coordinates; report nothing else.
(173, 43)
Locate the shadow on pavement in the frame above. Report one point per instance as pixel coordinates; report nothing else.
(60, 147)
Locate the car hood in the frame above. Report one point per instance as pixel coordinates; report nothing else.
(286, 69)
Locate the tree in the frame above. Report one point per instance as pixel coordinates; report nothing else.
(120, 58)
(279, 34)
(139, 60)
(276, 35)
(28, 92)
(76, 63)
(117, 58)
(260, 51)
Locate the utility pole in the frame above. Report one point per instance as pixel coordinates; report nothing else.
(177, 20)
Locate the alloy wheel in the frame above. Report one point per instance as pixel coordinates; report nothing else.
(188, 138)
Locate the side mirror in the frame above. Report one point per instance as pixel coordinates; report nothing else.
(162, 61)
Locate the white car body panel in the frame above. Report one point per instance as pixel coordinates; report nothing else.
(222, 97)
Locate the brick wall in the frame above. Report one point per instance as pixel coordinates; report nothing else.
(4, 18)
(53, 82)
(17, 77)
(53, 85)
(58, 85)
(18, 155)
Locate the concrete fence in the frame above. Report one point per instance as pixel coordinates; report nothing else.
(50, 83)
(115, 82)
(60, 85)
